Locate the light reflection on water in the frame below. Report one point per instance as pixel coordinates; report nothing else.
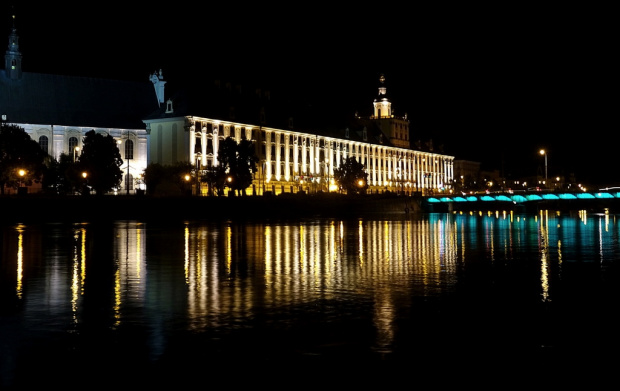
(360, 285)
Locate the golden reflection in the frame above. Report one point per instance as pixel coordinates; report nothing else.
(228, 250)
(78, 270)
(307, 262)
(302, 245)
(186, 252)
(129, 286)
(118, 297)
(341, 237)
(606, 220)
(20, 262)
(82, 259)
(360, 234)
(544, 252)
(232, 269)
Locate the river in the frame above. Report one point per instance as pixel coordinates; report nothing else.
(134, 302)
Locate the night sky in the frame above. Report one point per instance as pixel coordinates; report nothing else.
(490, 84)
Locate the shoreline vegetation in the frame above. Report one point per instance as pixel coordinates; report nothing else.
(46, 208)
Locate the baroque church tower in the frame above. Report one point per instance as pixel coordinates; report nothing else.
(396, 128)
(13, 57)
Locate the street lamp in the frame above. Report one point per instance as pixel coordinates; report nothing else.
(543, 152)
(21, 173)
(229, 179)
(85, 189)
(75, 152)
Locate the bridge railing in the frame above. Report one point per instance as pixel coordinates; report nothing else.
(521, 197)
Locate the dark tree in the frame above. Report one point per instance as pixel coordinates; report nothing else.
(238, 161)
(101, 160)
(168, 179)
(215, 178)
(22, 161)
(246, 164)
(62, 176)
(154, 174)
(351, 176)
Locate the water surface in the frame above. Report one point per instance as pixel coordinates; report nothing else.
(155, 302)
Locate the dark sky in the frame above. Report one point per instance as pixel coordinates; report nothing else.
(491, 84)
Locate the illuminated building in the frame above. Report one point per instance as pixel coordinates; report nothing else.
(57, 110)
(168, 124)
(294, 158)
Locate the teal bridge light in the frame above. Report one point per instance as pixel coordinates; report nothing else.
(525, 197)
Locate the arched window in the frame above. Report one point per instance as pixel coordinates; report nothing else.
(129, 149)
(73, 143)
(43, 143)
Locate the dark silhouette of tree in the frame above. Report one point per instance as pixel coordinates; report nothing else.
(154, 174)
(62, 176)
(351, 176)
(246, 164)
(215, 178)
(238, 162)
(19, 152)
(101, 160)
(168, 179)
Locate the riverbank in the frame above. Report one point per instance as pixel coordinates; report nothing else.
(34, 207)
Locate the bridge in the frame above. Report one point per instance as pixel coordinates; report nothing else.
(525, 200)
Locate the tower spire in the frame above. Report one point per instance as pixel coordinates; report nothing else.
(13, 57)
(383, 106)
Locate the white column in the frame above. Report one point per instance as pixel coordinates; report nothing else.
(278, 157)
(216, 144)
(304, 153)
(268, 155)
(287, 154)
(192, 145)
(203, 146)
(295, 155)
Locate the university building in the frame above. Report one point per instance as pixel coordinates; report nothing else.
(166, 123)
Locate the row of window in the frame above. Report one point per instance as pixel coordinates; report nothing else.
(74, 144)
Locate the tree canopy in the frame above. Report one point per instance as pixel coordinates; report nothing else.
(237, 162)
(167, 179)
(22, 161)
(351, 176)
(101, 160)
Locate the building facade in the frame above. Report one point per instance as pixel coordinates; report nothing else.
(293, 161)
(57, 111)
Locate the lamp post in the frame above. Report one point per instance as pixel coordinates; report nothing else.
(263, 178)
(85, 188)
(229, 179)
(75, 152)
(198, 171)
(128, 156)
(543, 152)
(21, 174)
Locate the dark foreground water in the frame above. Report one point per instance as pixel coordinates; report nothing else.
(489, 300)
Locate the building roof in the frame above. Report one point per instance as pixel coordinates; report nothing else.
(38, 98)
(243, 103)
